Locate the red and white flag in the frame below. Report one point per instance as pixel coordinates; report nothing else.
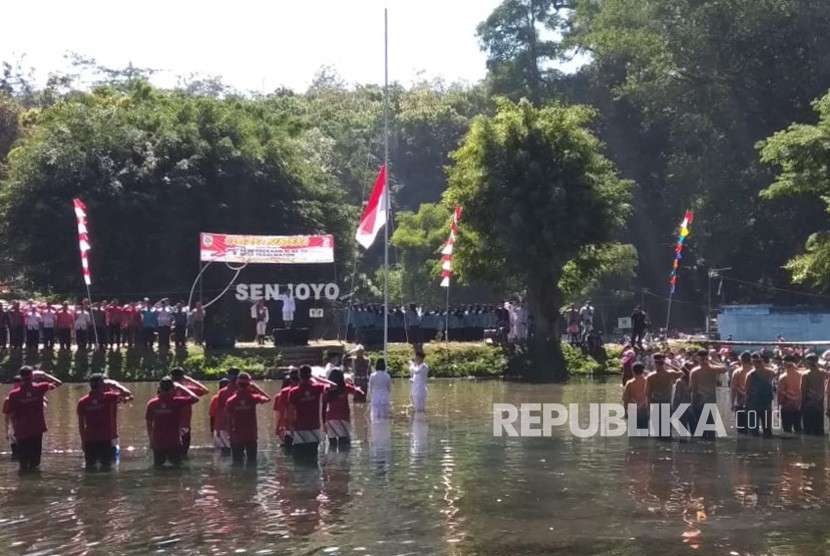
(374, 215)
(83, 239)
(447, 250)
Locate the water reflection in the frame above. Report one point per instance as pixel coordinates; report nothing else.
(434, 484)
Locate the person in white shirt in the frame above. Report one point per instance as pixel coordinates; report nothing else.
(380, 391)
(164, 317)
(419, 373)
(288, 308)
(48, 317)
(83, 322)
(31, 321)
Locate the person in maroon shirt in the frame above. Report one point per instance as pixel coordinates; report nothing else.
(8, 421)
(178, 375)
(223, 438)
(65, 322)
(164, 417)
(336, 410)
(25, 406)
(98, 420)
(306, 398)
(114, 315)
(241, 411)
(14, 317)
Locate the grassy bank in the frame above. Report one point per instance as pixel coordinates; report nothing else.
(452, 360)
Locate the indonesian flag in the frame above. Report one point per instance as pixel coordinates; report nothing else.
(449, 247)
(83, 239)
(374, 215)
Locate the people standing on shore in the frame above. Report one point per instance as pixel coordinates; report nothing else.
(419, 374)
(261, 316)
(241, 411)
(65, 322)
(164, 324)
(149, 323)
(114, 315)
(164, 416)
(639, 325)
(48, 320)
(180, 318)
(82, 323)
(289, 306)
(98, 421)
(14, 318)
(25, 405)
(32, 322)
(196, 320)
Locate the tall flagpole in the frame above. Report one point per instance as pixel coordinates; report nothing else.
(386, 183)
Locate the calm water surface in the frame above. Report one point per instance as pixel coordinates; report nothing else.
(443, 485)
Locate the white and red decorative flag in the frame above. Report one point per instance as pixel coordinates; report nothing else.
(83, 239)
(447, 250)
(374, 215)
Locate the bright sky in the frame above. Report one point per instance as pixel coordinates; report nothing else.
(253, 45)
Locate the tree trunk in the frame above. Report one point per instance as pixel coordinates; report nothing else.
(544, 351)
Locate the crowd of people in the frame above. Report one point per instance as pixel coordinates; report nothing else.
(99, 325)
(308, 408)
(417, 324)
(792, 380)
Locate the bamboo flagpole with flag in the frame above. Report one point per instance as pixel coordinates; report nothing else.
(682, 234)
(376, 214)
(446, 265)
(85, 246)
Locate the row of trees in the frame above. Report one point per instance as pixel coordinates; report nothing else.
(560, 199)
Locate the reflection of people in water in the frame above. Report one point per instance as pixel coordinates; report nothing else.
(380, 443)
(334, 504)
(299, 497)
(418, 437)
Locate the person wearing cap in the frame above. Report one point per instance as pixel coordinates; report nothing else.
(98, 420)
(164, 416)
(241, 411)
(179, 376)
(214, 404)
(789, 395)
(737, 392)
(759, 396)
(380, 391)
(283, 410)
(418, 376)
(222, 436)
(812, 397)
(25, 408)
(306, 399)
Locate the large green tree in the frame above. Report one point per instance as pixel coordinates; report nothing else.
(801, 154)
(536, 191)
(155, 168)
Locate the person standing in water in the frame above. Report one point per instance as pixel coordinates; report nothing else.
(212, 410)
(812, 397)
(703, 384)
(789, 396)
(634, 393)
(306, 398)
(380, 391)
(283, 410)
(658, 390)
(419, 374)
(336, 411)
(98, 420)
(164, 417)
(362, 368)
(179, 376)
(25, 407)
(241, 411)
(737, 392)
(759, 396)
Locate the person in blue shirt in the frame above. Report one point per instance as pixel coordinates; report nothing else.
(149, 323)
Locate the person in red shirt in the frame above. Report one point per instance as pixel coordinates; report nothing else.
(65, 322)
(222, 436)
(164, 416)
(25, 407)
(214, 406)
(336, 411)
(8, 421)
(241, 411)
(283, 410)
(98, 420)
(114, 316)
(306, 399)
(179, 376)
